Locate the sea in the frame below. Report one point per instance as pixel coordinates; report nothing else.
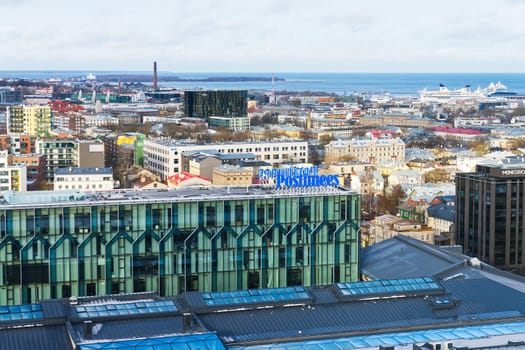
(338, 83)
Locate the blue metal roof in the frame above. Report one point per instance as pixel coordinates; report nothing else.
(255, 296)
(490, 302)
(20, 312)
(442, 211)
(203, 341)
(418, 285)
(398, 338)
(119, 309)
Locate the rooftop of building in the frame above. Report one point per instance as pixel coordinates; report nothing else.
(192, 143)
(83, 171)
(70, 198)
(462, 131)
(404, 257)
(442, 211)
(391, 311)
(232, 169)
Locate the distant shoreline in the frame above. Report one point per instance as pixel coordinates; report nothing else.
(141, 78)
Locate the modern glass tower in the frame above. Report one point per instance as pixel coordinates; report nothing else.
(64, 243)
(220, 103)
(490, 216)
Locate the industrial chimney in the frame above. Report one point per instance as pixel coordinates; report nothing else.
(155, 75)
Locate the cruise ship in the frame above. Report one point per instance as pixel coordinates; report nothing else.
(444, 95)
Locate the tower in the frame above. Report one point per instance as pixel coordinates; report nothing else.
(155, 75)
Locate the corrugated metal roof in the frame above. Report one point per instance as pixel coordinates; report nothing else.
(207, 341)
(492, 302)
(35, 338)
(134, 328)
(403, 257)
(399, 338)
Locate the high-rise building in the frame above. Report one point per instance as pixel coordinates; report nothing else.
(9, 96)
(490, 215)
(65, 153)
(73, 243)
(29, 120)
(215, 103)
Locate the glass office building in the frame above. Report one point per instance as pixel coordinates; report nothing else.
(221, 103)
(64, 243)
(490, 213)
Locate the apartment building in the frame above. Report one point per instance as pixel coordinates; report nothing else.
(86, 179)
(373, 151)
(65, 153)
(29, 120)
(164, 157)
(12, 177)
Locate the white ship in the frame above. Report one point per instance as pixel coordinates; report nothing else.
(444, 95)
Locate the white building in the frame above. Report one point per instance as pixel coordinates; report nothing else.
(374, 151)
(12, 177)
(86, 179)
(100, 120)
(163, 157)
(401, 177)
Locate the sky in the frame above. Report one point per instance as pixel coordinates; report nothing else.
(264, 36)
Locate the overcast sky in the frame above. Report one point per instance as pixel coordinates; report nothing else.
(264, 36)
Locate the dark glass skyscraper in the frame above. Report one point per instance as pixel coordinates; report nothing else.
(221, 103)
(490, 213)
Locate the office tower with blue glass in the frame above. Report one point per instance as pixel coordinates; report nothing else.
(72, 243)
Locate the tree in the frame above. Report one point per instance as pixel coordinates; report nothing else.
(436, 175)
(314, 156)
(516, 143)
(389, 201)
(480, 146)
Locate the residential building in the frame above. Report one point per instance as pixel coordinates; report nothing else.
(489, 213)
(184, 179)
(36, 169)
(215, 103)
(65, 153)
(459, 134)
(73, 121)
(164, 157)
(395, 120)
(373, 151)
(387, 226)
(29, 120)
(202, 164)
(232, 175)
(85, 179)
(100, 120)
(74, 243)
(231, 123)
(13, 177)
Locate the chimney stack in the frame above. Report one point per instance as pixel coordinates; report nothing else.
(155, 75)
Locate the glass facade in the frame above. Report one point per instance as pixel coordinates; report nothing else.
(173, 241)
(207, 103)
(490, 217)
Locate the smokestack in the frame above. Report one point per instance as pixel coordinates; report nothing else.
(155, 75)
